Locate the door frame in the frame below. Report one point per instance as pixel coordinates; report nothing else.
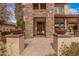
(42, 27)
(38, 19)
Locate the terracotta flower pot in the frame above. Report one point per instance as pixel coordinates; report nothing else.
(60, 31)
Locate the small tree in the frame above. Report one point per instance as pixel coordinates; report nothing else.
(72, 50)
(21, 24)
(19, 16)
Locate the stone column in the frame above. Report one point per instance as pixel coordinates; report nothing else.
(66, 24)
(77, 32)
(28, 20)
(50, 20)
(78, 24)
(14, 45)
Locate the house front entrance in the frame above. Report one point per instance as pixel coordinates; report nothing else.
(39, 26)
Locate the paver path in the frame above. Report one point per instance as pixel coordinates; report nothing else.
(38, 46)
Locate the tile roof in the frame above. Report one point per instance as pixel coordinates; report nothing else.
(67, 16)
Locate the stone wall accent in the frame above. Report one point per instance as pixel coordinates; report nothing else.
(40, 13)
(29, 14)
(28, 20)
(0, 37)
(14, 45)
(50, 20)
(18, 11)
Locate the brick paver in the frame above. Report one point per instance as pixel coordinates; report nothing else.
(39, 46)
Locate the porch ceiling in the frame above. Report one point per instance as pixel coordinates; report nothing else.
(69, 20)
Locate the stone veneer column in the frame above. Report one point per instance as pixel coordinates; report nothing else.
(77, 32)
(28, 20)
(78, 23)
(66, 24)
(65, 9)
(50, 20)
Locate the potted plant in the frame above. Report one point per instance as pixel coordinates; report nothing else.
(60, 31)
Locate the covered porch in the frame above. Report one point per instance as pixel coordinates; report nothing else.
(66, 25)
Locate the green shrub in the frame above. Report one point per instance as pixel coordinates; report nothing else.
(2, 50)
(21, 24)
(72, 50)
(5, 33)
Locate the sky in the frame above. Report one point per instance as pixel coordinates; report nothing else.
(73, 8)
(11, 8)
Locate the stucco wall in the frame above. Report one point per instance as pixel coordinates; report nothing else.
(14, 45)
(66, 41)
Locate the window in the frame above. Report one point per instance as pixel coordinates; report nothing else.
(55, 10)
(59, 10)
(60, 25)
(42, 5)
(39, 5)
(35, 6)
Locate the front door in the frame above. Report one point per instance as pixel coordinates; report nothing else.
(40, 28)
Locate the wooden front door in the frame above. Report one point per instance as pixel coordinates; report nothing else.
(40, 28)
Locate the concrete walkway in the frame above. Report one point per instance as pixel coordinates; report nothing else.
(38, 46)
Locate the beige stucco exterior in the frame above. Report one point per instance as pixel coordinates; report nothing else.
(14, 45)
(66, 41)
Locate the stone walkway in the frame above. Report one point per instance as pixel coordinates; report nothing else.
(38, 46)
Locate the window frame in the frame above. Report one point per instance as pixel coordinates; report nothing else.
(34, 6)
(39, 6)
(59, 10)
(44, 6)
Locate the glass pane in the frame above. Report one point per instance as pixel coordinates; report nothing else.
(59, 10)
(35, 5)
(42, 5)
(55, 10)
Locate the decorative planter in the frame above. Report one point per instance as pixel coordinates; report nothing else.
(60, 31)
